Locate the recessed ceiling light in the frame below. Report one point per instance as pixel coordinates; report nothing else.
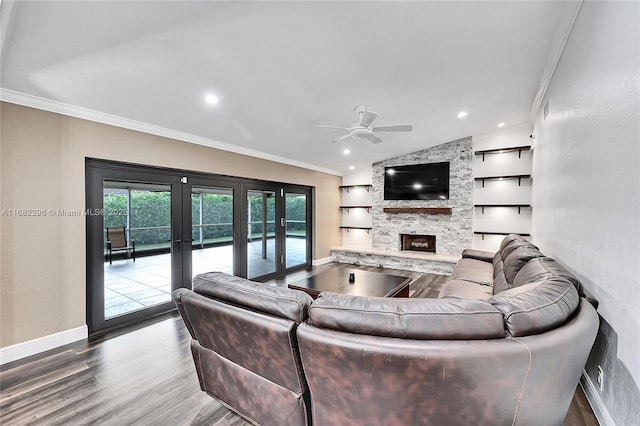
(352, 167)
(346, 151)
(417, 186)
(211, 99)
(501, 124)
(462, 114)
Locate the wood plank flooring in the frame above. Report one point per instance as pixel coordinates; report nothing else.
(145, 376)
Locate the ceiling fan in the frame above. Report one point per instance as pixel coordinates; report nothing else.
(363, 129)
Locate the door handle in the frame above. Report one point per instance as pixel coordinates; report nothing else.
(179, 241)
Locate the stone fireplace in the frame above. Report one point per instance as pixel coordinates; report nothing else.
(418, 242)
(450, 221)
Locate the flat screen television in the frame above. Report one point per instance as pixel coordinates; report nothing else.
(417, 182)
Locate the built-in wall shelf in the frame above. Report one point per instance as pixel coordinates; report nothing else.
(519, 177)
(499, 233)
(519, 206)
(502, 150)
(348, 187)
(418, 210)
(504, 198)
(356, 200)
(367, 208)
(348, 228)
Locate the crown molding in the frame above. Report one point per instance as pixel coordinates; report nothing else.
(31, 101)
(560, 37)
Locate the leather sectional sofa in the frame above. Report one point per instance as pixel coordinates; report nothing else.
(505, 343)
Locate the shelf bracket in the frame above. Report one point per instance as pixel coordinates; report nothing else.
(482, 209)
(519, 181)
(483, 179)
(519, 153)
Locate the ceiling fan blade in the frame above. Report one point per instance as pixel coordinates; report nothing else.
(331, 127)
(340, 138)
(404, 128)
(373, 138)
(367, 117)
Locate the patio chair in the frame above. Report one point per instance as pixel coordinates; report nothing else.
(117, 241)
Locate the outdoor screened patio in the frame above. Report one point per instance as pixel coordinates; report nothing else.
(129, 285)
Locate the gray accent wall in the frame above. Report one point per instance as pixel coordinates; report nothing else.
(453, 232)
(586, 191)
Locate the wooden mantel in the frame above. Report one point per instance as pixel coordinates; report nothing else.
(418, 210)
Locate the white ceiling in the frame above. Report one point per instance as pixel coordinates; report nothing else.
(281, 67)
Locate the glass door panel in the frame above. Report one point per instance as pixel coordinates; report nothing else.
(262, 257)
(211, 230)
(137, 246)
(296, 229)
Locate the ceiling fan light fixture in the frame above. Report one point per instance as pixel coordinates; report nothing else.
(363, 129)
(360, 133)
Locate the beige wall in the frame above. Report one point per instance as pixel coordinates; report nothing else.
(42, 259)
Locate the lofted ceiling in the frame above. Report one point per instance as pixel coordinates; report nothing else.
(279, 68)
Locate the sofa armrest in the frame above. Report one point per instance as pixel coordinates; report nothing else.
(485, 256)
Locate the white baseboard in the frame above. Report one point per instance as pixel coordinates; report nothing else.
(42, 344)
(593, 396)
(323, 261)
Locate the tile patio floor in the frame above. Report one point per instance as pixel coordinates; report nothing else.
(129, 286)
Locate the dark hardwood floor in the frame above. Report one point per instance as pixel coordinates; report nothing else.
(144, 375)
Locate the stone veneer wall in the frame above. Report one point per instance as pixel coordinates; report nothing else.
(453, 232)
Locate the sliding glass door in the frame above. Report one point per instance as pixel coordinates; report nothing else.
(137, 221)
(263, 247)
(212, 236)
(155, 229)
(296, 233)
(277, 229)
(134, 242)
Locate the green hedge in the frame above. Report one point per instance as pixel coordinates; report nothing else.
(151, 209)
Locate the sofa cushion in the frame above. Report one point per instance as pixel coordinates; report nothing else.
(499, 281)
(542, 267)
(513, 242)
(473, 270)
(508, 240)
(510, 243)
(279, 301)
(423, 319)
(517, 259)
(460, 289)
(538, 306)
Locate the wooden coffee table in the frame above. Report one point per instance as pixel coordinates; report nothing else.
(372, 284)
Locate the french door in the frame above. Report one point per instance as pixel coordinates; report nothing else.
(151, 230)
(277, 218)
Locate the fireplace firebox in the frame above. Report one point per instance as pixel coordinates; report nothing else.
(418, 242)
